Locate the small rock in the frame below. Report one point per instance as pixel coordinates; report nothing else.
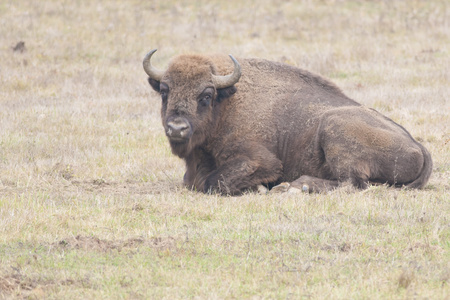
(20, 47)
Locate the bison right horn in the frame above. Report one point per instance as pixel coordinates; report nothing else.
(228, 80)
(151, 71)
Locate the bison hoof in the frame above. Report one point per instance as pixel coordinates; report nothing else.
(281, 188)
(305, 188)
(262, 189)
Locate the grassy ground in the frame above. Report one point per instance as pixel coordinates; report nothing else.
(91, 199)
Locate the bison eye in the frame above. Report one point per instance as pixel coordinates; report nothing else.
(164, 94)
(164, 91)
(205, 97)
(205, 100)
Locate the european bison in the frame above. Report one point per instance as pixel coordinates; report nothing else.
(267, 123)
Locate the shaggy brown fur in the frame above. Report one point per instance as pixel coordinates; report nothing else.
(282, 124)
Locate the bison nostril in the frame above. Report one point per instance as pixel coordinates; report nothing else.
(177, 128)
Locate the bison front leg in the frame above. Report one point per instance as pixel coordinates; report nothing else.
(199, 164)
(244, 172)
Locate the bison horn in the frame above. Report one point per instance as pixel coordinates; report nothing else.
(149, 69)
(228, 80)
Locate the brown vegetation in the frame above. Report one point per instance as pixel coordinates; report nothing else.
(83, 154)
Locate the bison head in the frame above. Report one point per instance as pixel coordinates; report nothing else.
(190, 92)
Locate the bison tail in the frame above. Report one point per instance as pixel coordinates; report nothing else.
(425, 174)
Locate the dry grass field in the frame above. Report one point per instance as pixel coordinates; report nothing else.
(91, 199)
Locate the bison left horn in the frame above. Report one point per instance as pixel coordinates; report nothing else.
(222, 82)
(151, 71)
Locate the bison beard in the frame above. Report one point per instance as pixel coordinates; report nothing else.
(267, 123)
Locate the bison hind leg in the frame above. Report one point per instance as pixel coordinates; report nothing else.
(314, 185)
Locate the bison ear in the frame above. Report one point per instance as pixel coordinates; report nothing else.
(225, 93)
(154, 83)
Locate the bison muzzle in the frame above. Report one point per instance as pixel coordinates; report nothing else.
(242, 123)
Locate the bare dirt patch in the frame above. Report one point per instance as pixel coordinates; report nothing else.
(92, 243)
(11, 282)
(15, 284)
